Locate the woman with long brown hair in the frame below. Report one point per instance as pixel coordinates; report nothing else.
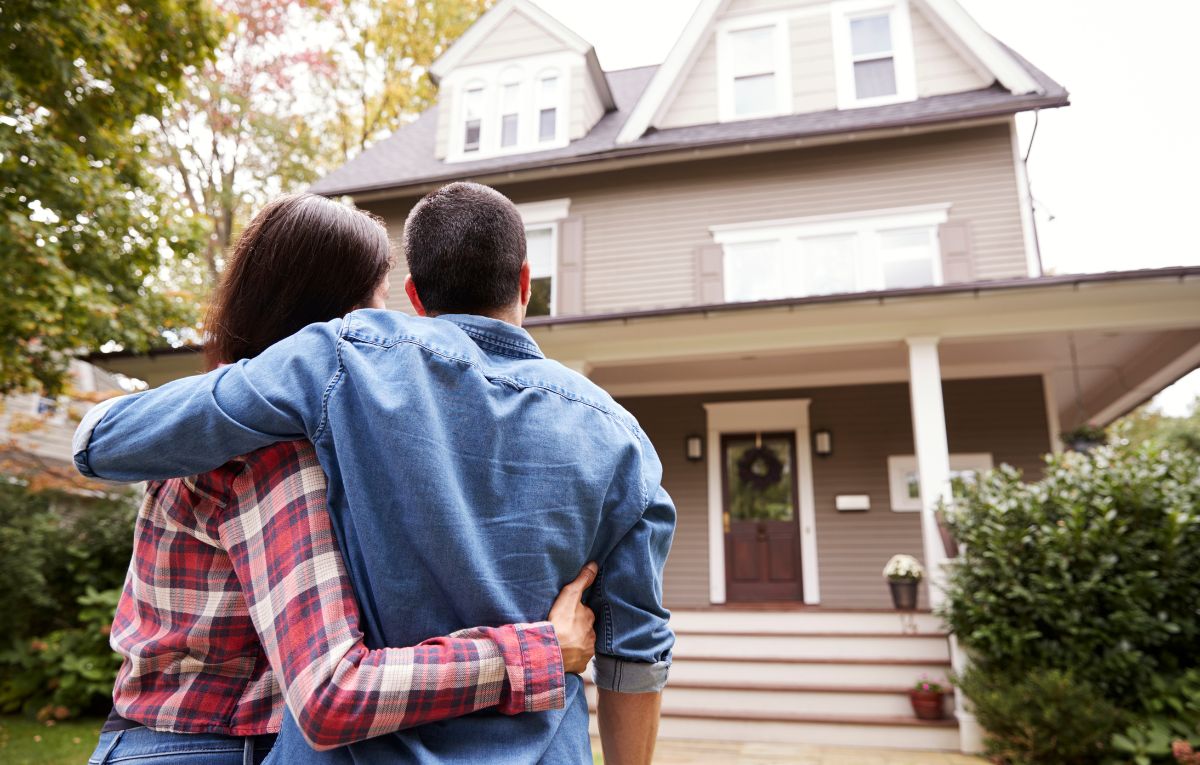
(237, 600)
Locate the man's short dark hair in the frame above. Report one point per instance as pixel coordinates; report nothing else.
(465, 245)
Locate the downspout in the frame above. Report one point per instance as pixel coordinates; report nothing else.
(1037, 244)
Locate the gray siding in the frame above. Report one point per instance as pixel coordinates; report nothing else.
(642, 227)
(940, 69)
(869, 422)
(517, 36)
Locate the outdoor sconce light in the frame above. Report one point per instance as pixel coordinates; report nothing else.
(823, 443)
(694, 448)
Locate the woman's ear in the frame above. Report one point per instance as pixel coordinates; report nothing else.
(410, 289)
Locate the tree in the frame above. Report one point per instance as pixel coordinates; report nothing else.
(380, 73)
(86, 230)
(1148, 424)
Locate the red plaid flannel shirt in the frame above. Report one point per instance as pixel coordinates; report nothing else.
(237, 588)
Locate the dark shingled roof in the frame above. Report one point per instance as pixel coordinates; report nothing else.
(406, 158)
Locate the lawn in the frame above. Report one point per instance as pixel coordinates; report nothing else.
(25, 742)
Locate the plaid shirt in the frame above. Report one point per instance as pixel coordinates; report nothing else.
(237, 587)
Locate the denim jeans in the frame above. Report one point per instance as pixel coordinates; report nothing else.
(142, 746)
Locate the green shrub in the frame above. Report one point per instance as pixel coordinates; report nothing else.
(53, 546)
(67, 672)
(1040, 718)
(1092, 573)
(1173, 716)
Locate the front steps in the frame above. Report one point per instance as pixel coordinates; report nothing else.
(805, 677)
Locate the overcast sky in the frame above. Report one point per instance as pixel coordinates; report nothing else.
(1116, 175)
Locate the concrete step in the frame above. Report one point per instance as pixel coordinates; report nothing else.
(813, 645)
(740, 697)
(807, 620)
(842, 672)
(813, 729)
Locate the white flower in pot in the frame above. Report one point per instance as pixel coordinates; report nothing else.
(904, 573)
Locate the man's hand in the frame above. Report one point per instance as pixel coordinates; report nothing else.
(573, 622)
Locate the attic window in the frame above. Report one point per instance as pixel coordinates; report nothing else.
(871, 52)
(753, 70)
(873, 49)
(472, 118)
(510, 114)
(548, 109)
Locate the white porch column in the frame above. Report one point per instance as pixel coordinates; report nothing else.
(933, 467)
(933, 452)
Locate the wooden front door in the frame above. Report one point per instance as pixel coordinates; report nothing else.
(762, 533)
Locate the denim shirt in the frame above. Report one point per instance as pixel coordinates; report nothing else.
(470, 478)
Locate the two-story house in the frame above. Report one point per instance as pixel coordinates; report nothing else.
(801, 251)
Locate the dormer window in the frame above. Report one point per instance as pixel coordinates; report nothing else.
(547, 108)
(873, 48)
(753, 69)
(509, 108)
(510, 114)
(472, 119)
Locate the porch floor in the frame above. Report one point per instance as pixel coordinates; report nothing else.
(679, 752)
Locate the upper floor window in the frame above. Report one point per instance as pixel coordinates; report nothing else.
(753, 68)
(547, 108)
(472, 118)
(508, 109)
(832, 255)
(873, 48)
(542, 223)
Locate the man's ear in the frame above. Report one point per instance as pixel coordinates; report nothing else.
(526, 289)
(410, 289)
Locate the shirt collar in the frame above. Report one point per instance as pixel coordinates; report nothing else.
(495, 335)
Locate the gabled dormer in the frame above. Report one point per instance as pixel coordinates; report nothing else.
(750, 59)
(517, 81)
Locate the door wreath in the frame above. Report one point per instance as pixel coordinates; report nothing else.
(760, 467)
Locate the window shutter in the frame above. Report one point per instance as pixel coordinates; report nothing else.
(957, 265)
(570, 267)
(710, 274)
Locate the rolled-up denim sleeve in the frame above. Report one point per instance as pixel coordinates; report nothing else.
(633, 636)
(199, 423)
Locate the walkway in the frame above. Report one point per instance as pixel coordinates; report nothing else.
(717, 753)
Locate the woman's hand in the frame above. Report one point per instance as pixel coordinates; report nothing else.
(573, 622)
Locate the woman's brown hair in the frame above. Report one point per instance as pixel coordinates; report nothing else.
(303, 259)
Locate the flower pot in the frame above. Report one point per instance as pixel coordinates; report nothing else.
(927, 705)
(904, 593)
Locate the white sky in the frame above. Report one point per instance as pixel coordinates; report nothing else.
(1116, 175)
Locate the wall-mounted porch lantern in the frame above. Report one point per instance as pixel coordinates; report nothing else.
(693, 448)
(823, 442)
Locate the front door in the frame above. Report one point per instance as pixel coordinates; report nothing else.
(762, 534)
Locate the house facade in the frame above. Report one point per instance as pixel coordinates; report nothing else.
(802, 252)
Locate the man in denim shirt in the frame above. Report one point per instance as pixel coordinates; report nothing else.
(469, 479)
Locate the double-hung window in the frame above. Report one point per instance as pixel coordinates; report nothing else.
(832, 255)
(547, 108)
(472, 119)
(510, 114)
(542, 223)
(873, 48)
(753, 65)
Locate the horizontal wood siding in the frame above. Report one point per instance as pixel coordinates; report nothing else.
(747, 7)
(814, 83)
(940, 69)
(869, 422)
(517, 36)
(643, 227)
(695, 100)
(586, 108)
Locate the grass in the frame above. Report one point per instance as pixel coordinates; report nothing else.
(26, 742)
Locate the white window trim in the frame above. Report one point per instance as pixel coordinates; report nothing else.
(901, 465)
(548, 214)
(783, 66)
(865, 226)
(493, 77)
(902, 51)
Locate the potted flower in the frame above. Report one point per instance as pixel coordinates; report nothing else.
(903, 574)
(926, 698)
